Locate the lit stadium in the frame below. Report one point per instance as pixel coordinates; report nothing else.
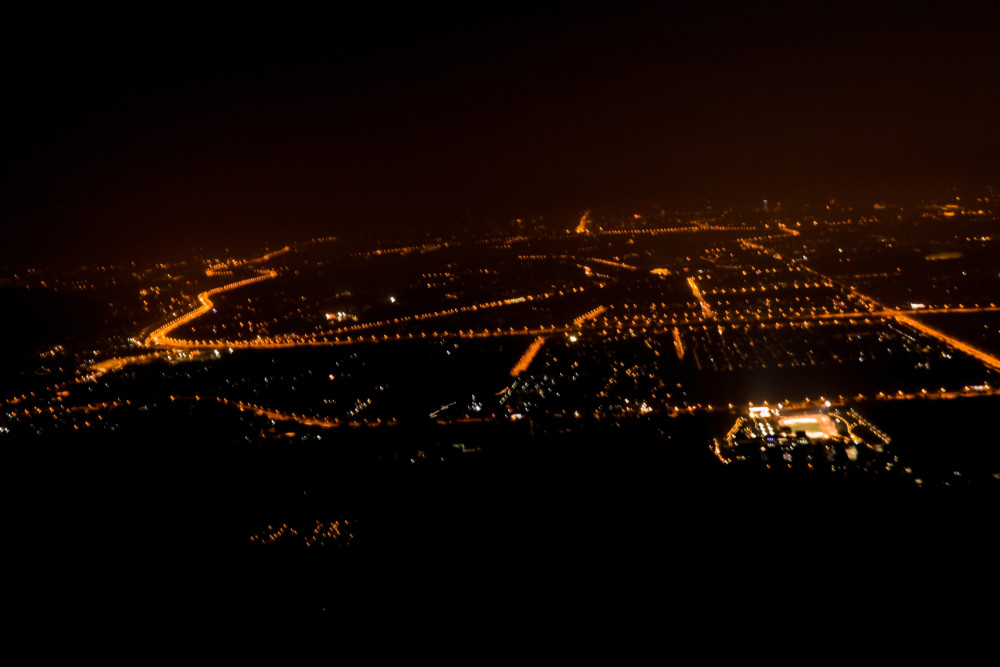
(816, 425)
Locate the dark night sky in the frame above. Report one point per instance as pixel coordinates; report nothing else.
(187, 129)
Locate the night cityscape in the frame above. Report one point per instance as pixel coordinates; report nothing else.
(582, 302)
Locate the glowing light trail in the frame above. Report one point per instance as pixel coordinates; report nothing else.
(526, 358)
(988, 359)
(706, 309)
(161, 336)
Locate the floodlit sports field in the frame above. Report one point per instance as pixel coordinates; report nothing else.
(817, 425)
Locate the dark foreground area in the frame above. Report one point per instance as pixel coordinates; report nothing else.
(192, 527)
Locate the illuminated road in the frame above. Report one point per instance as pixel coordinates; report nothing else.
(536, 345)
(225, 267)
(119, 363)
(529, 354)
(359, 333)
(885, 312)
(750, 311)
(900, 315)
(444, 313)
(678, 344)
(988, 359)
(706, 309)
(589, 315)
(161, 337)
(279, 415)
